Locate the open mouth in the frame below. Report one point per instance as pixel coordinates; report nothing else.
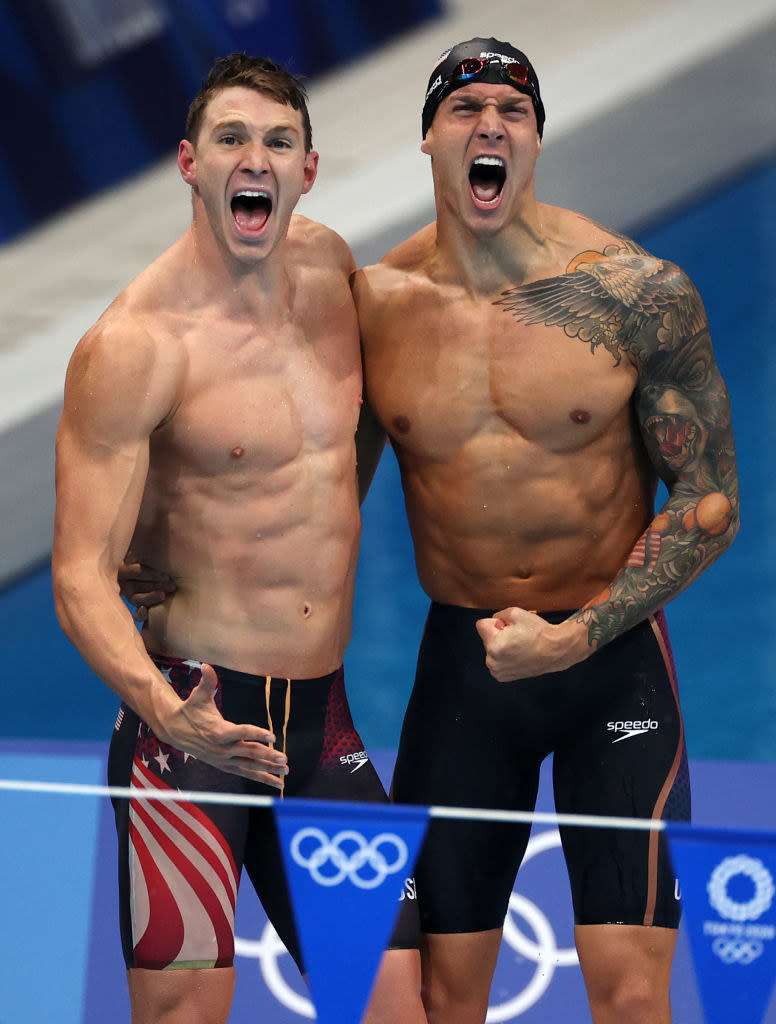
(251, 209)
(486, 177)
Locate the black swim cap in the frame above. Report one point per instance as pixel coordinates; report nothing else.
(440, 84)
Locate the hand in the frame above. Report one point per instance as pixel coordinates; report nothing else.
(143, 586)
(520, 644)
(198, 727)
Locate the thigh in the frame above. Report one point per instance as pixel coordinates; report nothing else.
(344, 771)
(179, 862)
(464, 744)
(626, 759)
(264, 866)
(327, 762)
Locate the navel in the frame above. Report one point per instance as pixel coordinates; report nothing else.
(579, 416)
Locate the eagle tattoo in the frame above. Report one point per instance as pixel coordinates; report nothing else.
(634, 305)
(610, 300)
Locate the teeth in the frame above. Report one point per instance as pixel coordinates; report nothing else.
(252, 193)
(489, 161)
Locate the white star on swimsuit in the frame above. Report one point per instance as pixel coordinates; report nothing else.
(162, 759)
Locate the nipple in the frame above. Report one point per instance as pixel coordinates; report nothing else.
(580, 416)
(402, 424)
(237, 452)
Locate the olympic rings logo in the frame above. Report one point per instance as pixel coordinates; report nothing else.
(750, 868)
(737, 951)
(541, 949)
(322, 852)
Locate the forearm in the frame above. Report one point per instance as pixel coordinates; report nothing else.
(688, 534)
(99, 625)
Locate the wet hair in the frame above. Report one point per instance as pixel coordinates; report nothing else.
(258, 73)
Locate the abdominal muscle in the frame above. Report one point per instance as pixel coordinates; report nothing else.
(549, 534)
(263, 586)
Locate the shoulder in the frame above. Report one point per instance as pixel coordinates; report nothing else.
(315, 244)
(126, 363)
(414, 252)
(132, 333)
(118, 340)
(617, 269)
(143, 323)
(645, 283)
(404, 269)
(583, 238)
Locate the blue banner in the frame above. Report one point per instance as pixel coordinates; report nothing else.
(347, 866)
(728, 887)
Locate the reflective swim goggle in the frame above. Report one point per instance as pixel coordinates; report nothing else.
(472, 68)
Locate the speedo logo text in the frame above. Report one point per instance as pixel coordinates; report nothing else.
(358, 760)
(625, 730)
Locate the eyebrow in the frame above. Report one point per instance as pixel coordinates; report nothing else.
(228, 123)
(234, 124)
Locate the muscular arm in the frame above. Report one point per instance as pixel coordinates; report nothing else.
(683, 414)
(119, 387)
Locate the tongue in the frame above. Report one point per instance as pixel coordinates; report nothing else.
(485, 192)
(251, 219)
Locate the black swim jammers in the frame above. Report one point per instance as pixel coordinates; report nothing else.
(614, 726)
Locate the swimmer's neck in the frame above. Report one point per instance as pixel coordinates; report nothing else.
(484, 263)
(237, 286)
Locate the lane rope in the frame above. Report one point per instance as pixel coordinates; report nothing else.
(255, 800)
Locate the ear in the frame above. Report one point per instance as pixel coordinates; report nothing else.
(187, 162)
(310, 171)
(425, 146)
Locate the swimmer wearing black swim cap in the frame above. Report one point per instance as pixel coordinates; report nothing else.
(481, 60)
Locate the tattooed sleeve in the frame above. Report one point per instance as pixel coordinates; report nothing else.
(649, 312)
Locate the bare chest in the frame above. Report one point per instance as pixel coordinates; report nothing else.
(441, 379)
(256, 399)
